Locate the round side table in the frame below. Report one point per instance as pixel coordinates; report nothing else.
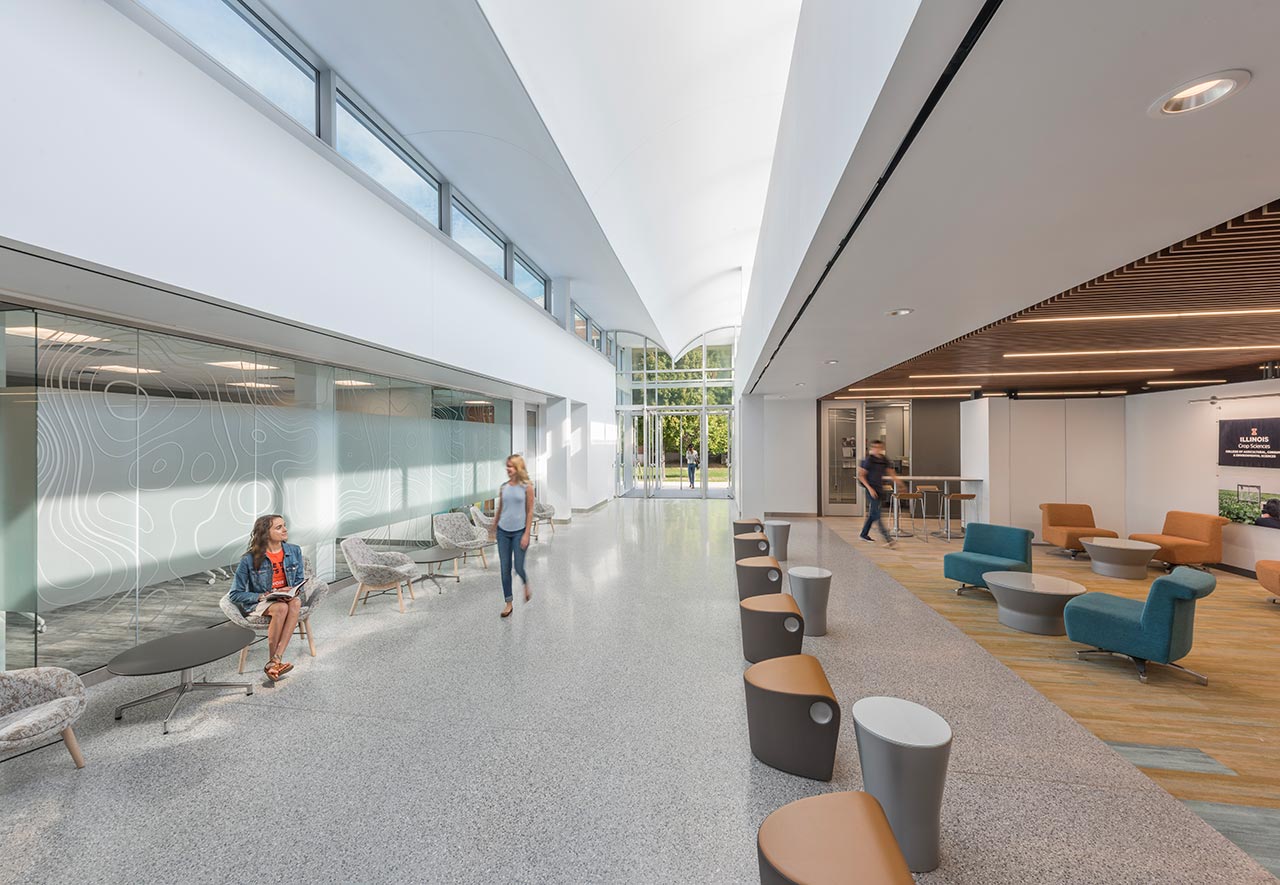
(1119, 558)
(811, 586)
(778, 531)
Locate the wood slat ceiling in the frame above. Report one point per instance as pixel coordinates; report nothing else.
(1234, 266)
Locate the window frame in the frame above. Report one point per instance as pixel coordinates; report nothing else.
(487, 227)
(575, 313)
(517, 256)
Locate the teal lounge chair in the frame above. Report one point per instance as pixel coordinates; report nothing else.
(988, 548)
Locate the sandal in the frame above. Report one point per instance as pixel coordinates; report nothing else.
(272, 669)
(283, 667)
(506, 612)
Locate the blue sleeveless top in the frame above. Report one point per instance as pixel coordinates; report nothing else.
(513, 504)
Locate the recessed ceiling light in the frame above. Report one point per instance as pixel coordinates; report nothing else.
(1071, 392)
(1049, 372)
(351, 382)
(900, 311)
(1192, 381)
(256, 385)
(242, 366)
(1143, 350)
(125, 370)
(1200, 93)
(833, 362)
(1170, 315)
(57, 336)
(799, 384)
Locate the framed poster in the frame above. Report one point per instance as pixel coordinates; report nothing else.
(1249, 442)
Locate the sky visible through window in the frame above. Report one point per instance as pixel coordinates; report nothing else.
(477, 241)
(358, 143)
(529, 283)
(240, 48)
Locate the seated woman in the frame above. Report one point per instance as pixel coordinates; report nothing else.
(1270, 517)
(271, 563)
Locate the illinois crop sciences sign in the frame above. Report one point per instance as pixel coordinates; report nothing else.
(1249, 442)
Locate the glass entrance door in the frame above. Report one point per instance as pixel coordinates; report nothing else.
(841, 448)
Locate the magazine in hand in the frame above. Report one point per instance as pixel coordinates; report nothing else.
(283, 595)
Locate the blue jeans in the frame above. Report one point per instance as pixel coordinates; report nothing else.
(873, 517)
(508, 550)
(692, 468)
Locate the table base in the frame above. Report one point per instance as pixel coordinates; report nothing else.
(185, 684)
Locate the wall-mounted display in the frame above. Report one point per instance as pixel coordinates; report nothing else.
(1249, 442)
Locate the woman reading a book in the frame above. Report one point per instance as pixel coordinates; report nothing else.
(266, 584)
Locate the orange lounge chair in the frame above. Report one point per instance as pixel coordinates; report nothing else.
(1065, 525)
(1187, 538)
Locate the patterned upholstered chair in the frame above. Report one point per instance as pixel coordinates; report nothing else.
(456, 531)
(316, 591)
(479, 519)
(543, 513)
(378, 571)
(38, 704)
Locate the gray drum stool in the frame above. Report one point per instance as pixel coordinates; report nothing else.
(750, 544)
(772, 627)
(904, 748)
(793, 718)
(744, 525)
(777, 531)
(811, 586)
(758, 575)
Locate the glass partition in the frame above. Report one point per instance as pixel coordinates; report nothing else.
(149, 456)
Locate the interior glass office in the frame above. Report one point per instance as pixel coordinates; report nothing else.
(670, 409)
(136, 462)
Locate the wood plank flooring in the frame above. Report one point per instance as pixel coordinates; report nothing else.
(1235, 719)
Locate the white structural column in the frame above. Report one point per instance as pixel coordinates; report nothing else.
(17, 504)
(750, 457)
(579, 457)
(559, 452)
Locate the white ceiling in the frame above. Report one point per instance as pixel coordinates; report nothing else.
(436, 72)
(667, 113)
(1039, 169)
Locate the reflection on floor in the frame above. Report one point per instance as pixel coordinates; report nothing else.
(1206, 744)
(597, 736)
(714, 491)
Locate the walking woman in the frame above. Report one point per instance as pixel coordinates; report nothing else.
(511, 525)
(270, 563)
(691, 458)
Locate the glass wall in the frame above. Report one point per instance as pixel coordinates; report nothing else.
(666, 404)
(149, 456)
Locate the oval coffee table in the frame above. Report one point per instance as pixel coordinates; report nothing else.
(1118, 558)
(1032, 603)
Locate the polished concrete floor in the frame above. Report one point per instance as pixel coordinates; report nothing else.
(598, 736)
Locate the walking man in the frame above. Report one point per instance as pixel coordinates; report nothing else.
(871, 473)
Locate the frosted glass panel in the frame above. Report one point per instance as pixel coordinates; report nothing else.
(17, 488)
(364, 452)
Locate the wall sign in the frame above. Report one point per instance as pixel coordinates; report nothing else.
(1249, 442)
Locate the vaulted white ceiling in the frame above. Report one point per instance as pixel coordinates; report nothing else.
(666, 113)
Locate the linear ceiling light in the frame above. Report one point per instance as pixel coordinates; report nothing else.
(255, 385)
(125, 370)
(351, 382)
(909, 396)
(1022, 393)
(1049, 372)
(242, 366)
(923, 387)
(55, 335)
(476, 402)
(1172, 315)
(1048, 353)
(1191, 381)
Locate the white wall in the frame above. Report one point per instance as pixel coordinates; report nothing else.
(750, 460)
(790, 456)
(1172, 461)
(139, 161)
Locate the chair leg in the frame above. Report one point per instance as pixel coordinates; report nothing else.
(552, 523)
(311, 642)
(356, 600)
(244, 657)
(483, 559)
(73, 746)
(409, 584)
(400, 595)
(1199, 677)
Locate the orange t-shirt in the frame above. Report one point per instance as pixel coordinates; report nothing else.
(278, 581)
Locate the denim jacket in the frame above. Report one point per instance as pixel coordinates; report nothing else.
(249, 584)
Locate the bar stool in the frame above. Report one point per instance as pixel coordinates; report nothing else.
(911, 498)
(926, 491)
(961, 497)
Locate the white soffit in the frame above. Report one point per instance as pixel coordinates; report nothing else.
(667, 114)
(1039, 170)
(436, 72)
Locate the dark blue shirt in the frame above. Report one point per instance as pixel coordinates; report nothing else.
(876, 467)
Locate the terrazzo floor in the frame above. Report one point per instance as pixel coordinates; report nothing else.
(597, 736)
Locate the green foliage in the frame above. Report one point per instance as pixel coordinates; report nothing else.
(1240, 511)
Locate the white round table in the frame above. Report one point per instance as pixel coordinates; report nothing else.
(1032, 603)
(811, 587)
(1119, 558)
(778, 531)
